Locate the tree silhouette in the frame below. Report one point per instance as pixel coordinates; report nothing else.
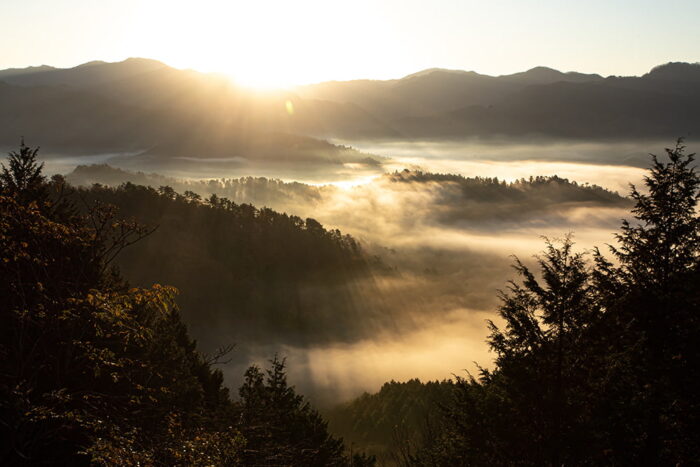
(95, 372)
(653, 298)
(22, 177)
(596, 364)
(281, 428)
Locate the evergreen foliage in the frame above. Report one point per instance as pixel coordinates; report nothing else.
(596, 358)
(281, 428)
(94, 372)
(245, 274)
(23, 175)
(596, 363)
(395, 421)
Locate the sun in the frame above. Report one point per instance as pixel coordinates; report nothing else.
(260, 44)
(262, 76)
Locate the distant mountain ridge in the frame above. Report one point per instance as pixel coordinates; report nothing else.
(545, 75)
(143, 104)
(439, 103)
(4, 74)
(87, 74)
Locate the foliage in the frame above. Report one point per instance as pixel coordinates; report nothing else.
(94, 372)
(91, 368)
(392, 422)
(260, 275)
(281, 428)
(596, 361)
(23, 175)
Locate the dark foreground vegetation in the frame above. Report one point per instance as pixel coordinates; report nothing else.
(596, 359)
(93, 371)
(596, 362)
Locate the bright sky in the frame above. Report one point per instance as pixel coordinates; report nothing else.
(269, 43)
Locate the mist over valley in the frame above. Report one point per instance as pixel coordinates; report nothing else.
(442, 243)
(442, 268)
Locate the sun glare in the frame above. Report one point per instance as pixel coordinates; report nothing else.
(262, 44)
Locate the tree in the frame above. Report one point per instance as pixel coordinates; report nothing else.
(92, 371)
(653, 299)
(281, 428)
(595, 364)
(522, 410)
(23, 178)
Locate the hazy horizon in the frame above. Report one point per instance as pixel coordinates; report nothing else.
(272, 44)
(232, 77)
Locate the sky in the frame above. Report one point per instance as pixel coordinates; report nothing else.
(280, 43)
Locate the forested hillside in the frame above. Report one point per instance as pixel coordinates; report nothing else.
(596, 355)
(249, 274)
(394, 421)
(461, 199)
(95, 372)
(596, 352)
(452, 198)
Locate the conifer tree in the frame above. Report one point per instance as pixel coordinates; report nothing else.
(595, 365)
(22, 177)
(653, 302)
(281, 428)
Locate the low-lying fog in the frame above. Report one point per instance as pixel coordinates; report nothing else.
(453, 251)
(609, 164)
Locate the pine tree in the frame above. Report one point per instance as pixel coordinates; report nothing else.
(280, 427)
(653, 300)
(595, 365)
(23, 178)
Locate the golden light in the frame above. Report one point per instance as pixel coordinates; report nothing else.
(260, 44)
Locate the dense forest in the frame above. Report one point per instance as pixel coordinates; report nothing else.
(461, 199)
(393, 422)
(96, 372)
(596, 359)
(260, 276)
(596, 352)
(252, 273)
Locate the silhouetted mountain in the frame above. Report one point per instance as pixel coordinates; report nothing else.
(675, 71)
(145, 105)
(440, 103)
(86, 75)
(545, 75)
(434, 90)
(612, 108)
(12, 72)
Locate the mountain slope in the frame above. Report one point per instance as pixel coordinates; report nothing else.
(451, 104)
(611, 108)
(435, 90)
(145, 105)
